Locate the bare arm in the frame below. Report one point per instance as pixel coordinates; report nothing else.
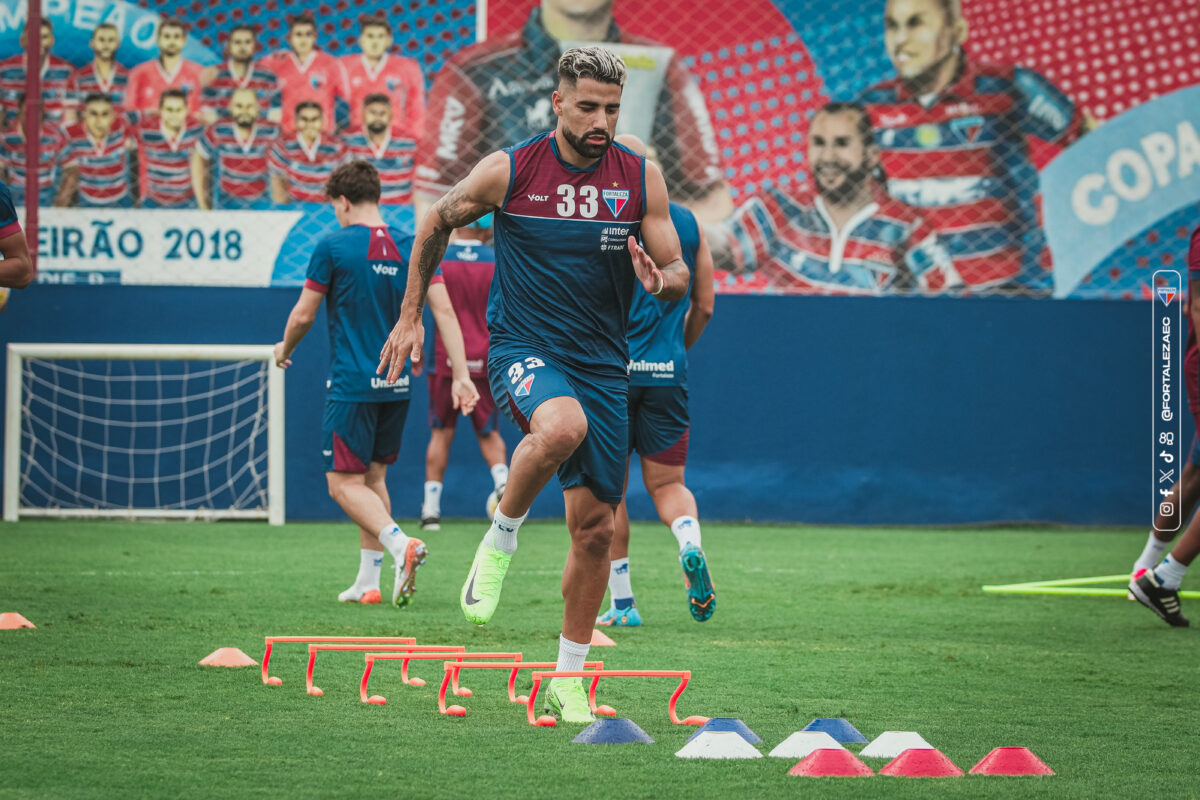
(479, 193)
(67, 186)
(703, 296)
(16, 270)
(304, 313)
(279, 189)
(200, 178)
(463, 390)
(660, 265)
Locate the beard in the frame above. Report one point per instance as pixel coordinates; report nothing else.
(586, 148)
(376, 128)
(853, 179)
(244, 120)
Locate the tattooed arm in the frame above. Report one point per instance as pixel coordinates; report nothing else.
(480, 192)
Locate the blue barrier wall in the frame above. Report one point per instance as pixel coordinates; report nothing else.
(831, 410)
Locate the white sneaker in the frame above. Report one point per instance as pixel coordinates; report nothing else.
(493, 500)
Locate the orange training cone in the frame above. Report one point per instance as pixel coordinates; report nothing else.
(11, 620)
(600, 639)
(228, 657)
(830, 763)
(920, 763)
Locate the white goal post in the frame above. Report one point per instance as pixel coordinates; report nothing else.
(64, 414)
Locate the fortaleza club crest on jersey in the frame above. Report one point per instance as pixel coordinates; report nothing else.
(1167, 294)
(523, 386)
(616, 199)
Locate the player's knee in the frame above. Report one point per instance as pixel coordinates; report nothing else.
(594, 537)
(561, 440)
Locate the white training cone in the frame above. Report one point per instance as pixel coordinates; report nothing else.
(890, 744)
(801, 743)
(719, 744)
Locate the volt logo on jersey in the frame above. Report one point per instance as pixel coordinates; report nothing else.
(1167, 294)
(523, 386)
(615, 199)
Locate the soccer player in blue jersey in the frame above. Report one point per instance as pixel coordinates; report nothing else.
(16, 266)
(362, 270)
(568, 207)
(659, 337)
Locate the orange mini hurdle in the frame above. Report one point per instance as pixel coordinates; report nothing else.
(404, 658)
(271, 641)
(313, 649)
(546, 721)
(453, 668)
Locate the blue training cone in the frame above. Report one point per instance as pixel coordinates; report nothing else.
(612, 731)
(838, 728)
(729, 725)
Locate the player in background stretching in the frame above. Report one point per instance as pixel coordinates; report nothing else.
(458, 292)
(571, 205)
(659, 337)
(362, 269)
(16, 266)
(1156, 584)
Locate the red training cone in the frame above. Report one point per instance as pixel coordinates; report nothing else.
(1011, 761)
(601, 640)
(830, 763)
(922, 763)
(11, 620)
(228, 657)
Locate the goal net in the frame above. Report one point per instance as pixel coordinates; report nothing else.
(112, 430)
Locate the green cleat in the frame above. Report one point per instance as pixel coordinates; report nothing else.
(702, 597)
(481, 593)
(566, 699)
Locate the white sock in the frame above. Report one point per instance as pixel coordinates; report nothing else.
(432, 505)
(571, 655)
(1151, 553)
(394, 540)
(503, 533)
(1170, 573)
(499, 474)
(369, 564)
(686, 529)
(618, 583)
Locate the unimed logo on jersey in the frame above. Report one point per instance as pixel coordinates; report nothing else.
(615, 199)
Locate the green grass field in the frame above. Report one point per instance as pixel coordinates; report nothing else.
(886, 627)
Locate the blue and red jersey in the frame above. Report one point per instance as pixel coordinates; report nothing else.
(105, 167)
(239, 167)
(564, 276)
(657, 356)
(962, 157)
(466, 271)
(88, 81)
(794, 244)
(50, 156)
(164, 163)
(362, 272)
(8, 214)
(393, 158)
(57, 97)
(215, 96)
(397, 77)
(304, 167)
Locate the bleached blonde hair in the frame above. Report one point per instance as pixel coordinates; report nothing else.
(591, 61)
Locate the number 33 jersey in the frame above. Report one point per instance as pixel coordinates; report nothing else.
(564, 277)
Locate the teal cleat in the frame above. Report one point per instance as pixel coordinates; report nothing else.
(567, 700)
(620, 618)
(702, 597)
(481, 593)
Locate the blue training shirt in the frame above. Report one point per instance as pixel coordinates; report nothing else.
(363, 272)
(657, 356)
(564, 276)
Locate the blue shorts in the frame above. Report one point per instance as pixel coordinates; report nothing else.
(524, 379)
(355, 434)
(658, 423)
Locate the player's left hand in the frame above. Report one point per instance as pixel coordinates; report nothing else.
(647, 271)
(406, 341)
(464, 394)
(281, 361)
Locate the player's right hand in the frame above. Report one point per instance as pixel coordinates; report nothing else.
(281, 361)
(406, 341)
(465, 395)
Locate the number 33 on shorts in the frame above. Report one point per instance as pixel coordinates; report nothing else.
(520, 374)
